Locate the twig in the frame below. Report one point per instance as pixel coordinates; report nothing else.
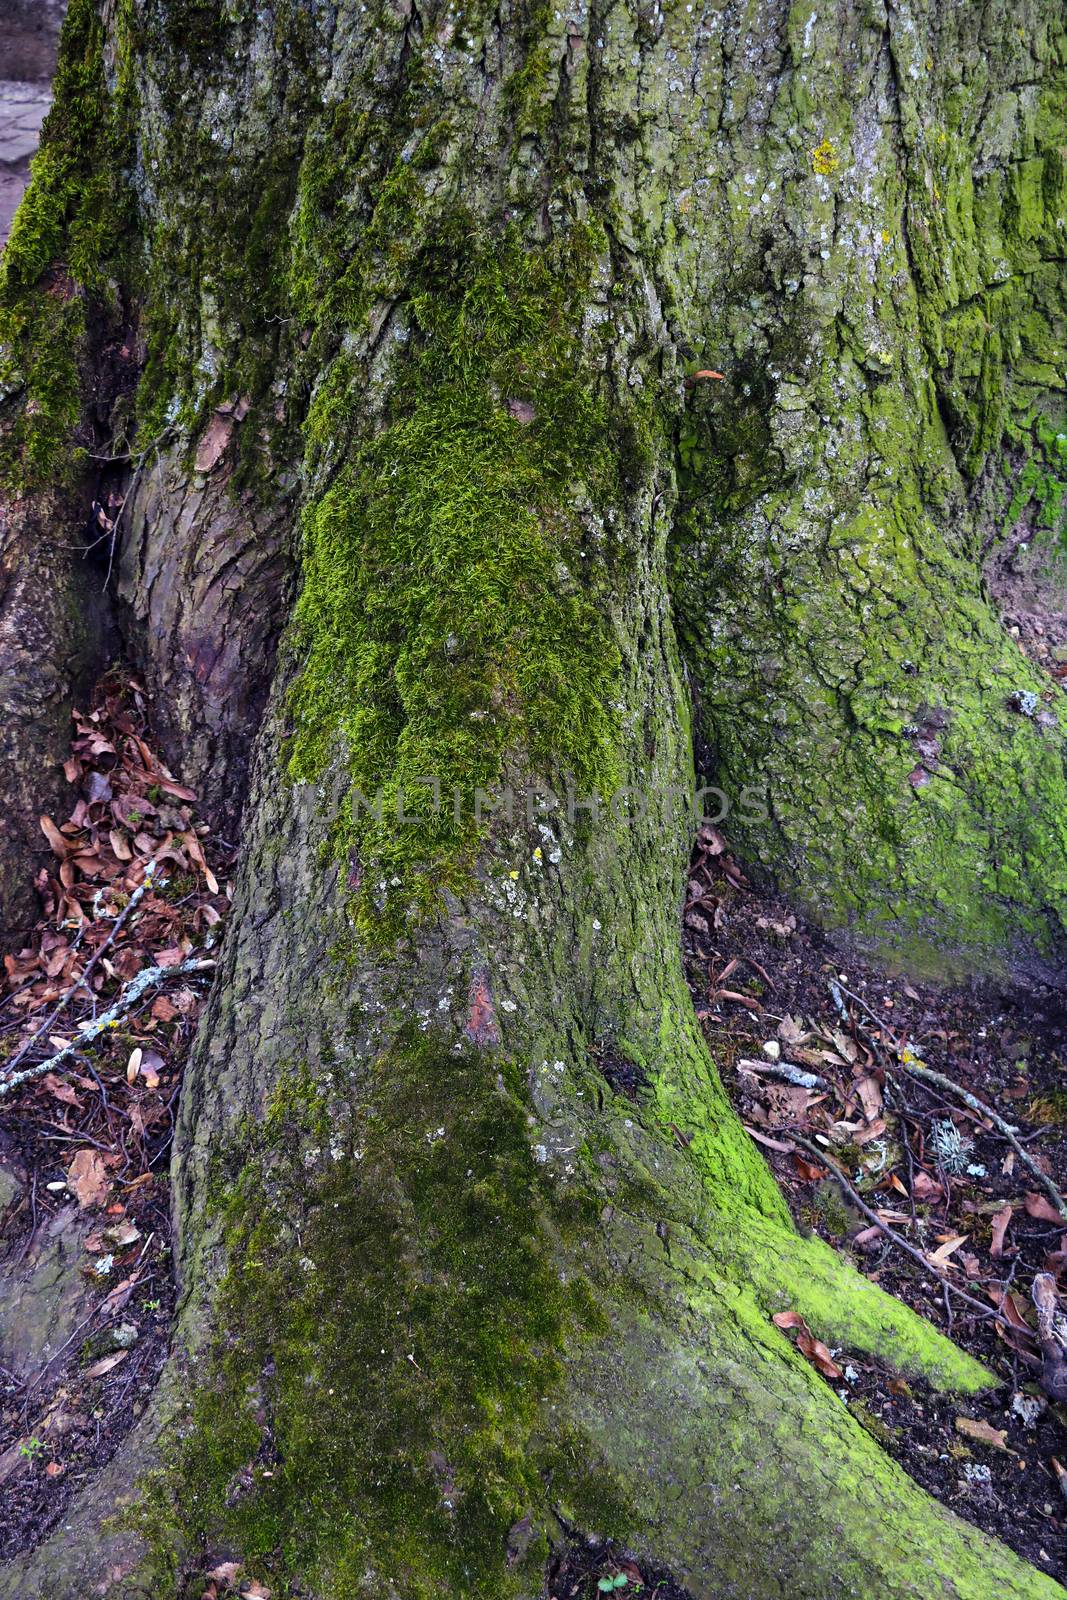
(927, 1075)
(924, 1074)
(786, 1071)
(49, 1023)
(901, 1244)
(145, 979)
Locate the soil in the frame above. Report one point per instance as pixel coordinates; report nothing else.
(771, 989)
(593, 1569)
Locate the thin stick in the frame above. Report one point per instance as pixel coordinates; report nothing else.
(925, 1074)
(49, 1022)
(145, 979)
(901, 1244)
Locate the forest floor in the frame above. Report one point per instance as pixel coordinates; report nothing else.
(98, 1010)
(778, 1001)
(101, 1005)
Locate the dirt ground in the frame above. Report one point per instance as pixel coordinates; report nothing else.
(773, 993)
(86, 1283)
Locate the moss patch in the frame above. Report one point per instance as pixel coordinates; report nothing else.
(455, 602)
(59, 269)
(394, 1317)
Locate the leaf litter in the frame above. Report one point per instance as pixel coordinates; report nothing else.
(839, 1071)
(132, 903)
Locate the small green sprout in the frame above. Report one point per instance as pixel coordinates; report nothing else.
(607, 1585)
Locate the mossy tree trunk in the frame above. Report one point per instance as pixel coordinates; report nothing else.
(413, 296)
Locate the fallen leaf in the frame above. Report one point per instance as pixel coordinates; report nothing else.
(121, 1234)
(765, 1139)
(1000, 1228)
(225, 1572)
(870, 1096)
(926, 1188)
(87, 1177)
(61, 847)
(1040, 1208)
(813, 1349)
(120, 845)
(61, 1091)
(983, 1432)
(938, 1257)
(151, 1066)
(817, 1353)
(106, 1364)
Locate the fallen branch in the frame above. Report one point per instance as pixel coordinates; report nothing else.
(856, 1199)
(146, 979)
(123, 917)
(786, 1071)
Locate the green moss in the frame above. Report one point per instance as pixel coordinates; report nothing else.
(455, 606)
(58, 271)
(394, 1317)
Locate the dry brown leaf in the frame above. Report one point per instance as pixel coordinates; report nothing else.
(781, 1145)
(983, 1432)
(151, 1066)
(225, 1572)
(61, 1091)
(60, 846)
(788, 1319)
(807, 1169)
(926, 1188)
(870, 1096)
(106, 1364)
(819, 1356)
(1000, 1228)
(938, 1257)
(87, 1177)
(811, 1348)
(1041, 1209)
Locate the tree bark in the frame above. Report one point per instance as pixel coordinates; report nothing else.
(435, 283)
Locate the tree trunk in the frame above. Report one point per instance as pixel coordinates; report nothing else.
(425, 288)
